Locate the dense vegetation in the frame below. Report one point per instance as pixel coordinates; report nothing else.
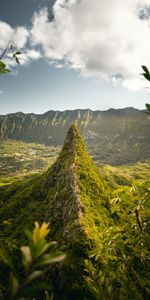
(18, 159)
(27, 277)
(100, 219)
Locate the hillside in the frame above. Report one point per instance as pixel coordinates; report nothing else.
(19, 158)
(115, 137)
(71, 196)
(86, 216)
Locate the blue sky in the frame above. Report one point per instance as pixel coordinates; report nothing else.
(72, 60)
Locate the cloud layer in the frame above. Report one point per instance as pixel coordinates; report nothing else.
(107, 40)
(103, 39)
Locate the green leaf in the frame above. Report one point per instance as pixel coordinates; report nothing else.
(34, 275)
(42, 247)
(30, 290)
(47, 296)
(147, 106)
(4, 71)
(2, 64)
(145, 69)
(27, 257)
(18, 53)
(14, 284)
(147, 76)
(51, 258)
(6, 258)
(7, 71)
(31, 243)
(17, 60)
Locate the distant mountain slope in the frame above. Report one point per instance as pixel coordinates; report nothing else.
(114, 136)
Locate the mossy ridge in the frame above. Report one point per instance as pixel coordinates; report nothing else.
(78, 209)
(84, 194)
(57, 196)
(57, 192)
(74, 198)
(93, 192)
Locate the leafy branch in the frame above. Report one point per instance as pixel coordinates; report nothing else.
(11, 48)
(146, 75)
(35, 257)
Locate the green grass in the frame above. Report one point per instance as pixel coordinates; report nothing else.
(125, 175)
(89, 209)
(19, 158)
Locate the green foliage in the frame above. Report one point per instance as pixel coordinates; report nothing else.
(3, 69)
(35, 258)
(97, 219)
(127, 175)
(11, 48)
(148, 107)
(119, 270)
(15, 56)
(146, 75)
(20, 159)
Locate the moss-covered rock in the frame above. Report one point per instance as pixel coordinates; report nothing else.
(73, 197)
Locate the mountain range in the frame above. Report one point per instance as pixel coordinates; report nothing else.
(115, 136)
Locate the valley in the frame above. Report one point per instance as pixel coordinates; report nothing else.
(115, 137)
(19, 159)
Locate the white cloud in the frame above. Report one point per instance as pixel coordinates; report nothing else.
(99, 38)
(20, 37)
(5, 33)
(17, 36)
(29, 55)
(107, 40)
(1, 92)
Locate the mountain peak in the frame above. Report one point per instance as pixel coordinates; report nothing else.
(73, 136)
(78, 189)
(77, 205)
(73, 145)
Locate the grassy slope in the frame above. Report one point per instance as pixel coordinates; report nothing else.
(74, 198)
(66, 196)
(18, 158)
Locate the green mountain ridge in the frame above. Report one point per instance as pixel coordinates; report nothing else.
(87, 214)
(72, 196)
(116, 136)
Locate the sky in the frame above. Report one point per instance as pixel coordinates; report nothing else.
(75, 54)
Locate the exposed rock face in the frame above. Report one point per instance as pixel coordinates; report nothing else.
(114, 136)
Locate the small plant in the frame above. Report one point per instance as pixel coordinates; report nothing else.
(3, 69)
(33, 265)
(146, 75)
(11, 48)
